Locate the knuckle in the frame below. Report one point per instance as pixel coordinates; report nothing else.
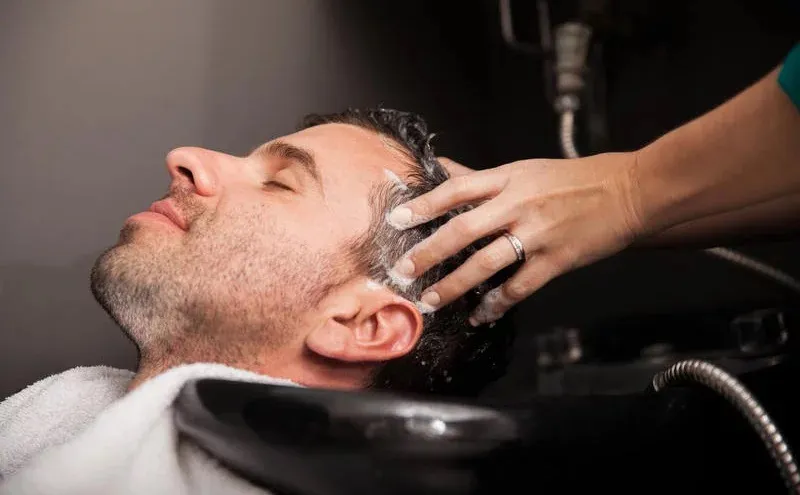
(461, 185)
(566, 260)
(420, 205)
(490, 261)
(515, 290)
(462, 226)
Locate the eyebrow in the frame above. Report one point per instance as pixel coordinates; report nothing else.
(285, 151)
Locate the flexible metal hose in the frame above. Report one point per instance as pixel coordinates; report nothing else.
(567, 133)
(568, 148)
(704, 373)
(757, 266)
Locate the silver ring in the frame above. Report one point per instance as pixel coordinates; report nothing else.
(517, 245)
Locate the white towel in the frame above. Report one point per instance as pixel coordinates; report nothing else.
(53, 410)
(78, 433)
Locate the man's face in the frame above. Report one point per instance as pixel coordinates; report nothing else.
(260, 239)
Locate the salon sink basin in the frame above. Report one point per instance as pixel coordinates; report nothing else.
(324, 442)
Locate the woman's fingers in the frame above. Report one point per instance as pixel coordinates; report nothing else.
(454, 168)
(536, 272)
(458, 233)
(450, 194)
(477, 269)
(567, 213)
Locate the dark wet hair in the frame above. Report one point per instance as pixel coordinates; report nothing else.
(452, 357)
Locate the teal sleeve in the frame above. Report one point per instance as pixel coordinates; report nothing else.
(789, 76)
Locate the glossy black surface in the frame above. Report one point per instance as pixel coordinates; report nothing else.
(320, 442)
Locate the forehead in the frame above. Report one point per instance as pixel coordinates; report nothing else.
(350, 159)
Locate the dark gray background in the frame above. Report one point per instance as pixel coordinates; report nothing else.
(94, 93)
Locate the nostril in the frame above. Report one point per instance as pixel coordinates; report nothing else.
(186, 173)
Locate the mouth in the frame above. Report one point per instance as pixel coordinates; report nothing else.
(168, 210)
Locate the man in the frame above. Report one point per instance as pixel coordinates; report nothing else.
(269, 263)
(281, 263)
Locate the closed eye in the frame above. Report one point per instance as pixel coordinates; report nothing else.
(272, 183)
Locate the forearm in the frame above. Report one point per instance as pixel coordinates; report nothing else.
(722, 169)
(774, 219)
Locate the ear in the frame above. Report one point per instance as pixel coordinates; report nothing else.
(365, 322)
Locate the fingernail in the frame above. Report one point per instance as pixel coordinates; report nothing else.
(490, 318)
(492, 297)
(424, 308)
(400, 217)
(489, 309)
(401, 281)
(404, 267)
(431, 298)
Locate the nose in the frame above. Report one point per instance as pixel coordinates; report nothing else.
(194, 167)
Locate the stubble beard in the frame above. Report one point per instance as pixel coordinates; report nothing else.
(214, 298)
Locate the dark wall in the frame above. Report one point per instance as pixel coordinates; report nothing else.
(94, 93)
(666, 63)
(697, 55)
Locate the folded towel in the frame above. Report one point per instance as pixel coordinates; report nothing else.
(53, 410)
(78, 433)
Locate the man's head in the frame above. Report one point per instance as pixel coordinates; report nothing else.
(280, 264)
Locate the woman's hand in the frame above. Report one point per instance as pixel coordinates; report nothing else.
(566, 213)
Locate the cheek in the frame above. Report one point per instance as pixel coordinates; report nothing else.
(265, 256)
(248, 255)
(261, 229)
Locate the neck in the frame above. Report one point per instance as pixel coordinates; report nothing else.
(165, 354)
(145, 372)
(305, 368)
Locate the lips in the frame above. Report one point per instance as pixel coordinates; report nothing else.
(165, 207)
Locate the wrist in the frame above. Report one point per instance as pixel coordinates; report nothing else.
(662, 191)
(636, 204)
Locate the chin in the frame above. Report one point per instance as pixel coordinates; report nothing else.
(120, 281)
